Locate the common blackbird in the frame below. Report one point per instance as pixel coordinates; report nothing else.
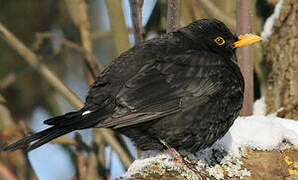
(184, 89)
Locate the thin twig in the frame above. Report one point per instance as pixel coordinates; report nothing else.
(7, 80)
(81, 163)
(6, 174)
(136, 17)
(100, 145)
(125, 158)
(212, 10)
(44, 35)
(41, 36)
(243, 12)
(91, 172)
(173, 12)
(104, 34)
(64, 141)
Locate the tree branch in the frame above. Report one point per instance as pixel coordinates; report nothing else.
(5, 173)
(118, 26)
(32, 60)
(173, 13)
(57, 84)
(136, 17)
(245, 54)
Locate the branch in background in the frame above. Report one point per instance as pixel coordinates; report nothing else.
(173, 12)
(104, 34)
(100, 156)
(78, 12)
(243, 17)
(17, 161)
(32, 60)
(91, 171)
(81, 164)
(53, 80)
(63, 140)
(7, 80)
(213, 11)
(6, 120)
(136, 17)
(125, 158)
(44, 35)
(5, 173)
(118, 26)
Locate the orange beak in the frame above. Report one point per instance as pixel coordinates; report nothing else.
(246, 39)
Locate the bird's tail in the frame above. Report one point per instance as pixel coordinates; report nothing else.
(61, 125)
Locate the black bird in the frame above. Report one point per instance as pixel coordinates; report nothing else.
(183, 90)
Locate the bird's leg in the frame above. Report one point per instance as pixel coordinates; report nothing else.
(179, 159)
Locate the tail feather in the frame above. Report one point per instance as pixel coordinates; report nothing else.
(61, 126)
(27, 140)
(52, 135)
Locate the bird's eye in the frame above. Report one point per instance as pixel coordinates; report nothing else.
(219, 40)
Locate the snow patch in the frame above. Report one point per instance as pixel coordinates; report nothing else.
(267, 30)
(259, 107)
(260, 132)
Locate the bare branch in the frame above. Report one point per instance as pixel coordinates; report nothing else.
(173, 12)
(212, 10)
(81, 164)
(41, 36)
(5, 173)
(32, 60)
(64, 140)
(136, 17)
(118, 26)
(125, 158)
(91, 172)
(243, 12)
(53, 80)
(79, 15)
(7, 80)
(104, 34)
(100, 153)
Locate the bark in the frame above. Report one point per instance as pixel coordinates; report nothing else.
(265, 165)
(281, 57)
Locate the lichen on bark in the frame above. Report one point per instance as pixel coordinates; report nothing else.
(281, 58)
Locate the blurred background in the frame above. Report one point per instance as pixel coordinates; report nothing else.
(71, 41)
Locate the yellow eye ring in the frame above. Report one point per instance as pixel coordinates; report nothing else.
(220, 41)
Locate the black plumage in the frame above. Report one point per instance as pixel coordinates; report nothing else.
(184, 88)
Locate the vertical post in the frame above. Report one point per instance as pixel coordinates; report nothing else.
(243, 18)
(173, 15)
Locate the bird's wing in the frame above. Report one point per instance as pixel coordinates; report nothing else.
(171, 84)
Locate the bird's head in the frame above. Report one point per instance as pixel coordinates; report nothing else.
(213, 35)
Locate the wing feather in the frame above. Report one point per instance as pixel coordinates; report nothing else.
(168, 86)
